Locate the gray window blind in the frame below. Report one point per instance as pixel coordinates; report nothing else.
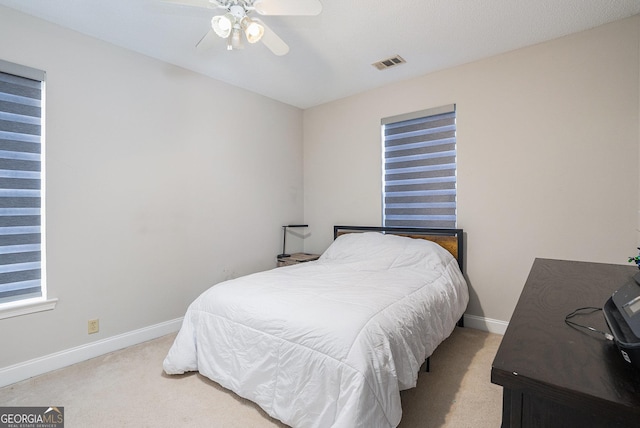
(21, 94)
(419, 177)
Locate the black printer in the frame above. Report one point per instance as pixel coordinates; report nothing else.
(622, 313)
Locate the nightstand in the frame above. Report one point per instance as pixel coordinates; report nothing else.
(297, 258)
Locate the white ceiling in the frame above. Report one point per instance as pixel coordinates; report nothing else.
(331, 54)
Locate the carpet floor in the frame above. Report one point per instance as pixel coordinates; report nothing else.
(128, 388)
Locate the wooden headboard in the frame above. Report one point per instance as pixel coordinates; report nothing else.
(449, 239)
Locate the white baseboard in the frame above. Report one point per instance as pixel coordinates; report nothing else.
(485, 324)
(67, 357)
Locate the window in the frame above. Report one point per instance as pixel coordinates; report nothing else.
(21, 132)
(419, 169)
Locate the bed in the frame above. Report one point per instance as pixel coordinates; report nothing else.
(330, 343)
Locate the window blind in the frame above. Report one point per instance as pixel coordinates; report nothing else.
(21, 94)
(419, 177)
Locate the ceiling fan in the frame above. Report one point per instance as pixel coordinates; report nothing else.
(235, 21)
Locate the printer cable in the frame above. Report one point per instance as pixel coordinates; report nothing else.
(581, 311)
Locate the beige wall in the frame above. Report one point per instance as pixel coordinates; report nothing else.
(548, 142)
(154, 192)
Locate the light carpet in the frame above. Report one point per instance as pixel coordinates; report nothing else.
(128, 388)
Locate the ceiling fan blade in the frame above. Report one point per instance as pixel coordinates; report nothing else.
(272, 41)
(207, 41)
(204, 4)
(288, 7)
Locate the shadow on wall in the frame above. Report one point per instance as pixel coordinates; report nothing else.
(477, 318)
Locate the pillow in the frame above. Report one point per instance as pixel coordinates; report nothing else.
(373, 250)
(354, 247)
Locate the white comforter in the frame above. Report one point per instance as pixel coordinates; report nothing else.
(329, 343)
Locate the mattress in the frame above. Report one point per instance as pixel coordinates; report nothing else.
(329, 343)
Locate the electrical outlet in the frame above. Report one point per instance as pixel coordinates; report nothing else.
(93, 326)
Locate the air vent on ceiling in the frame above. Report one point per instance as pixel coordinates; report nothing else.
(389, 62)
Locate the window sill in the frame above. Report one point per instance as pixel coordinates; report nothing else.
(28, 307)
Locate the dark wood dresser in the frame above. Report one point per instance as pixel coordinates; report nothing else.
(555, 375)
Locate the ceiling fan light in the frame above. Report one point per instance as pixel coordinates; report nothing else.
(223, 24)
(252, 30)
(236, 40)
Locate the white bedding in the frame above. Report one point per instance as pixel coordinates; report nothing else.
(329, 343)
